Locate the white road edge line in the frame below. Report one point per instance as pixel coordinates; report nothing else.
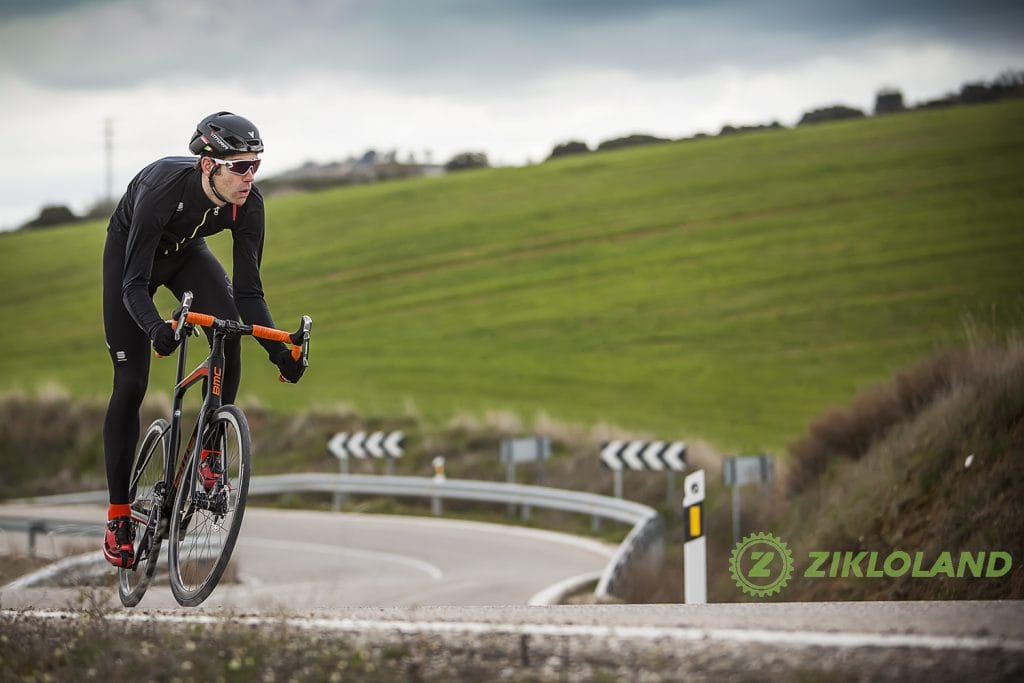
(794, 638)
(50, 571)
(556, 592)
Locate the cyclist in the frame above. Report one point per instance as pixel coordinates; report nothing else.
(155, 237)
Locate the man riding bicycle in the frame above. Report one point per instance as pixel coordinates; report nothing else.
(155, 238)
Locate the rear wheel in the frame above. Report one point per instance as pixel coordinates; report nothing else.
(145, 496)
(209, 506)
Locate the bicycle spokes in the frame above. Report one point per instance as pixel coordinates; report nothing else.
(146, 493)
(209, 506)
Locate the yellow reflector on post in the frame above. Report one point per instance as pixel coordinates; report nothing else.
(695, 521)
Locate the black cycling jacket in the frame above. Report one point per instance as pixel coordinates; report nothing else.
(165, 212)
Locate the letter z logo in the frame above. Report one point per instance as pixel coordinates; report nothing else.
(761, 561)
(766, 576)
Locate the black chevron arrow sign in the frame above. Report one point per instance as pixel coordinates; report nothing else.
(363, 445)
(644, 455)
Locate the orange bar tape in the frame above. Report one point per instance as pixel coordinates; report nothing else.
(271, 334)
(277, 335)
(204, 320)
(200, 319)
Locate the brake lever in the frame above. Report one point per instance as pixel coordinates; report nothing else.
(307, 325)
(300, 338)
(186, 305)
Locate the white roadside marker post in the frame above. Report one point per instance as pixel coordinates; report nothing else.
(439, 479)
(695, 562)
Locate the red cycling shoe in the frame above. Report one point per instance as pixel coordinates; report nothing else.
(119, 542)
(210, 468)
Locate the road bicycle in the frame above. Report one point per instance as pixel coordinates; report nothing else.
(196, 498)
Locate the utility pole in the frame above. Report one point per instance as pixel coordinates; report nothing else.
(108, 146)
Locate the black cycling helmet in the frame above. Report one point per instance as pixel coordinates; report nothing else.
(225, 133)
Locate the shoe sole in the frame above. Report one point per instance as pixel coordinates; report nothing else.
(123, 560)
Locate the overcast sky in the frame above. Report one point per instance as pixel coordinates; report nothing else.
(326, 79)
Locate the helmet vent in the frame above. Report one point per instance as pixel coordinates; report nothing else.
(226, 133)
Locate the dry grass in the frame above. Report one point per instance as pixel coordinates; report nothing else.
(13, 566)
(95, 647)
(50, 443)
(850, 432)
(909, 488)
(885, 474)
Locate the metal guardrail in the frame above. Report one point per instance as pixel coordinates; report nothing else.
(35, 527)
(644, 543)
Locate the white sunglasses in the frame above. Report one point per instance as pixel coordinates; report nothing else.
(239, 166)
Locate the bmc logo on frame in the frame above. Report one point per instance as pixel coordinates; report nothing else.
(762, 564)
(217, 375)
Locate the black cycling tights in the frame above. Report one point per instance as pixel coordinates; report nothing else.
(194, 269)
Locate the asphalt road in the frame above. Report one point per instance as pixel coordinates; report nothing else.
(452, 596)
(293, 560)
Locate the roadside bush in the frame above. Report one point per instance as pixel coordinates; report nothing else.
(849, 432)
(943, 480)
(467, 160)
(733, 130)
(833, 113)
(53, 214)
(567, 148)
(630, 141)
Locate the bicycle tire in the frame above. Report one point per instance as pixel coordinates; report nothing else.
(205, 521)
(147, 473)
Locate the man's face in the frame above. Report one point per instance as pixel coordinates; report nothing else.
(232, 186)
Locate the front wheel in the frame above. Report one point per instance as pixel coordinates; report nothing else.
(209, 505)
(145, 496)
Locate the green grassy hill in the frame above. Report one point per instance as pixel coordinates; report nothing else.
(727, 288)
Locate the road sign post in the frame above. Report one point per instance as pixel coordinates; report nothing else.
(334, 447)
(528, 449)
(740, 470)
(695, 563)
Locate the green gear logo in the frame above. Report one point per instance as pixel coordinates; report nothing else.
(768, 561)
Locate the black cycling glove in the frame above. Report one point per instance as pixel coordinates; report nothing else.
(164, 342)
(290, 368)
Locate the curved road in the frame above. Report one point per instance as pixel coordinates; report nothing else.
(446, 591)
(293, 559)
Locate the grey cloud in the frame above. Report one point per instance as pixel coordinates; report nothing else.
(462, 44)
(950, 19)
(18, 9)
